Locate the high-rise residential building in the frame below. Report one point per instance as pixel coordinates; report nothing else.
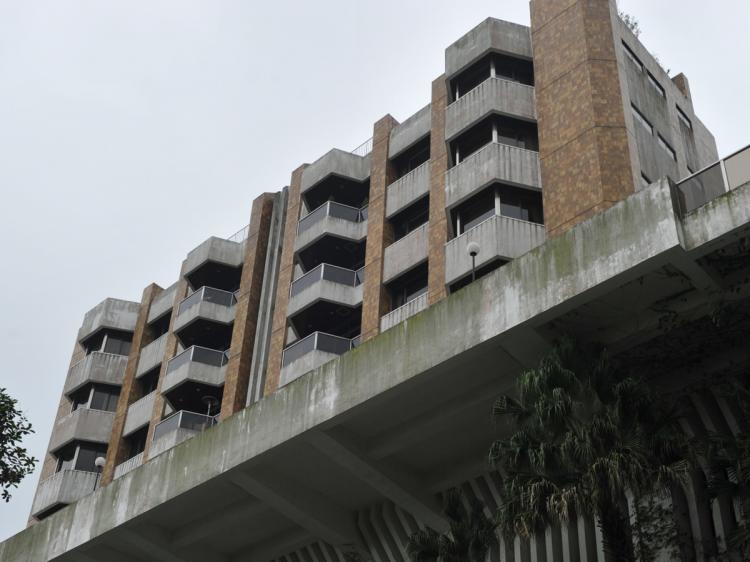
(309, 387)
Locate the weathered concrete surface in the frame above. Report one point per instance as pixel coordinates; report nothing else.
(336, 162)
(727, 215)
(65, 486)
(304, 364)
(403, 312)
(413, 129)
(341, 228)
(325, 290)
(491, 163)
(171, 439)
(494, 95)
(490, 35)
(216, 250)
(162, 303)
(131, 464)
(139, 414)
(96, 367)
(407, 189)
(405, 253)
(151, 355)
(110, 313)
(204, 310)
(94, 426)
(589, 260)
(195, 372)
(498, 237)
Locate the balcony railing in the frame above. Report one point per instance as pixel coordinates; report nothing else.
(406, 310)
(363, 149)
(240, 235)
(131, 464)
(318, 341)
(198, 354)
(327, 272)
(183, 420)
(713, 181)
(207, 294)
(332, 209)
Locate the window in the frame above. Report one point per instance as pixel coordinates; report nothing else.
(655, 84)
(408, 286)
(411, 218)
(148, 381)
(631, 56)
(105, 398)
(66, 458)
(474, 211)
(117, 345)
(667, 148)
(641, 119)
(80, 398)
(412, 157)
(87, 454)
(684, 119)
(521, 204)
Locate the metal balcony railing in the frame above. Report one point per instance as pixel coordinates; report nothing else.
(331, 209)
(713, 181)
(327, 272)
(183, 420)
(207, 294)
(318, 341)
(363, 149)
(240, 235)
(198, 354)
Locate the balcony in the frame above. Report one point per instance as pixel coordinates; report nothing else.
(494, 162)
(139, 414)
(83, 424)
(162, 303)
(339, 163)
(498, 238)
(410, 131)
(407, 189)
(205, 317)
(63, 488)
(196, 364)
(151, 355)
(328, 283)
(177, 428)
(96, 367)
(215, 260)
(405, 253)
(110, 313)
(335, 219)
(312, 352)
(131, 464)
(403, 312)
(494, 95)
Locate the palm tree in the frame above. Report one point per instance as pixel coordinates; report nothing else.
(472, 533)
(584, 434)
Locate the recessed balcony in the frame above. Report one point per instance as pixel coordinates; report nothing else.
(403, 312)
(335, 163)
(410, 131)
(131, 464)
(62, 488)
(177, 428)
(114, 314)
(205, 317)
(162, 303)
(406, 253)
(494, 162)
(217, 262)
(328, 283)
(311, 352)
(494, 95)
(499, 238)
(139, 414)
(96, 367)
(407, 189)
(193, 374)
(83, 424)
(151, 355)
(332, 219)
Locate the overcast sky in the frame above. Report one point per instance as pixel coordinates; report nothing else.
(132, 131)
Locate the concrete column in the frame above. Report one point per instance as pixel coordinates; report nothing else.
(286, 269)
(438, 228)
(584, 150)
(375, 299)
(117, 452)
(246, 310)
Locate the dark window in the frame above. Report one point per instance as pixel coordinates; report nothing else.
(87, 455)
(506, 67)
(642, 119)
(137, 441)
(105, 398)
(66, 457)
(94, 343)
(160, 326)
(117, 345)
(148, 381)
(517, 70)
(655, 85)
(411, 218)
(684, 119)
(522, 204)
(412, 157)
(667, 147)
(80, 398)
(471, 78)
(481, 272)
(632, 57)
(408, 286)
(474, 211)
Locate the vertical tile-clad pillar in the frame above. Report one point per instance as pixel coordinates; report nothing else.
(118, 450)
(375, 298)
(246, 310)
(286, 269)
(438, 229)
(584, 149)
(170, 348)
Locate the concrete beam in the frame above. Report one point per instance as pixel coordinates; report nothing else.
(196, 531)
(275, 546)
(152, 545)
(309, 509)
(400, 488)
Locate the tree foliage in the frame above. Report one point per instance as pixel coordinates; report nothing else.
(472, 533)
(15, 462)
(585, 435)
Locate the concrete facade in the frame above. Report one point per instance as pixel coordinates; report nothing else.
(97, 367)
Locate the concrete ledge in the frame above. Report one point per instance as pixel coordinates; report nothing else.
(413, 129)
(163, 303)
(64, 487)
(83, 424)
(151, 355)
(204, 310)
(492, 163)
(110, 313)
(96, 367)
(405, 253)
(195, 372)
(139, 414)
(169, 440)
(304, 364)
(414, 306)
(341, 228)
(494, 95)
(338, 163)
(325, 290)
(215, 250)
(725, 215)
(131, 464)
(407, 189)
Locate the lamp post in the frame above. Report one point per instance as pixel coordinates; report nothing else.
(211, 402)
(99, 464)
(472, 248)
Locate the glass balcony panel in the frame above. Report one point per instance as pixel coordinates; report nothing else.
(700, 188)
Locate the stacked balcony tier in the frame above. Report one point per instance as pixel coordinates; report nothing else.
(311, 352)
(407, 189)
(196, 364)
(113, 314)
(139, 414)
(131, 464)
(151, 355)
(83, 424)
(205, 317)
(96, 367)
(403, 312)
(62, 488)
(177, 428)
(329, 283)
(406, 253)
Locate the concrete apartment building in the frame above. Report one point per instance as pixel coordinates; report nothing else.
(309, 386)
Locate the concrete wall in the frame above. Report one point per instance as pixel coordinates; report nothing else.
(63, 487)
(407, 189)
(494, 162)
(403, 312)
(490, 35)
(304, 364)
(151, 355)
(216, 250)
(131, 464)
(205, 310)
(110, 313)
(406, 134)
(139, 414)
(328, 291)
(196, 372)
(97, 367)
(84, 424)
(405, 253)
(162, 303)
(336, 162)
(170, 440)
(331, 225)
(494, 95)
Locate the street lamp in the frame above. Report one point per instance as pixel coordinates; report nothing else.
(472, 248)
(99, 464)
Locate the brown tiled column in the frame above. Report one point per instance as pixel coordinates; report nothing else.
(170, 348)
(286, 270)
(583, 143)
(438, 229)
(117, 452)
(375, 298)
(246, 309)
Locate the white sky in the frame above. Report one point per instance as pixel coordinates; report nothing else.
(132, 131)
